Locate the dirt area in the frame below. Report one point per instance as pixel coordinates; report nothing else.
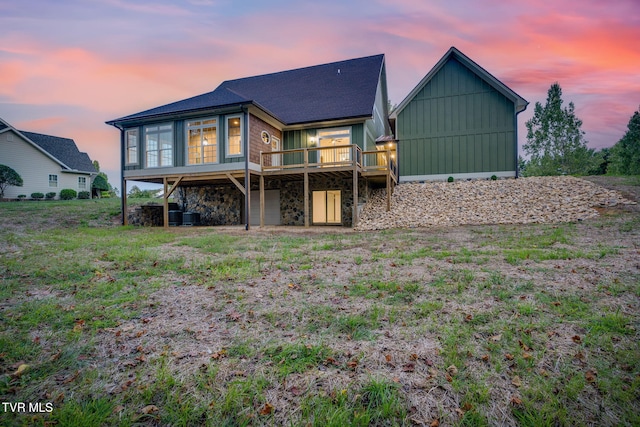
(492, 319)
(302, 300)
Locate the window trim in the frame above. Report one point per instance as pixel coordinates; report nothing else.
(158, 150)
(53, 181)
(226, 136)
(202, 126)
(84, 185)
(127, 147)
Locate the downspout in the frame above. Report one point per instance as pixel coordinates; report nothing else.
(247, 178)
(123, 183)
(515, 131)
(515, 127)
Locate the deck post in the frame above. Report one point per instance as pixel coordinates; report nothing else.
(165, 210)
(261, 200)
(306, 199)
(306, 187)
(125, 216)
(354, 221)
(388, 180)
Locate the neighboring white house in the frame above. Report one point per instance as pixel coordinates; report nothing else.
(45, 163)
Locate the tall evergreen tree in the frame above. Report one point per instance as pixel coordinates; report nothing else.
(625, 155)
(555, 139)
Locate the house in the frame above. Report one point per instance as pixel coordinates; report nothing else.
(296, 147)
(459, 121)
(46, 163)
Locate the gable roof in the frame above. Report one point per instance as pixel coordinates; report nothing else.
(64, 150)
(520, 102)
(338, 90)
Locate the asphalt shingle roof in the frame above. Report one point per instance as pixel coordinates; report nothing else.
(63, 149)
(344, 89)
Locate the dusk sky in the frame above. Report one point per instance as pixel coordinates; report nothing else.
(67, 66)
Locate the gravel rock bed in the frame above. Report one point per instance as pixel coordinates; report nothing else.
(506, 201)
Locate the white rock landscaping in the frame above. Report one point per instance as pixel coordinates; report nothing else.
(505, 201)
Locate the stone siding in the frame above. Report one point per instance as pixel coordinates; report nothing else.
(224, 204)
(217, 204)
(292, 197)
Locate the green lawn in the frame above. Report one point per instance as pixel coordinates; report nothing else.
(486, 325)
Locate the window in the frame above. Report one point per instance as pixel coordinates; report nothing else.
(234, 136)
(82, 182)
(202, 141)
(334, 145)
(53, 180)
(159, 141)
(131, 143)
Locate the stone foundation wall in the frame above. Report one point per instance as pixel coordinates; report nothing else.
(292, 197)
(146, 216)
(217, 205)
(224, 204)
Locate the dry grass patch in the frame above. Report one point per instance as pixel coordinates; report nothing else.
(221, 327)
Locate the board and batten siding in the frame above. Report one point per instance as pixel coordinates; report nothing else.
(457, 125)
(34, 167)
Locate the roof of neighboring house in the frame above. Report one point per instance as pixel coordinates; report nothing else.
(339, 90)
(62, 149)
(520, 102)
(3, 126)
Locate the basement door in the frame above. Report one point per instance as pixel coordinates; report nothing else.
(327, 207)
(271, 207)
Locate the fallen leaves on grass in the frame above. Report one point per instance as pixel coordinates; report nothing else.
(576, 339)
(22, 368)
(590, 376)
(516, 381)
(150, 409)
(266, 409)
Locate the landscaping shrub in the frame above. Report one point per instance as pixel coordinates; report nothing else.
(37, 195)
(22, 196)
(51, 195)
(84, 195)
(450, 179)
(493, 177)
(68, 194)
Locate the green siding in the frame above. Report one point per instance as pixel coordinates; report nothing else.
(457, 123)
(292, 139)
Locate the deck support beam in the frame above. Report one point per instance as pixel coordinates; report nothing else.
(354, 220)
(168, 191)
(306, 199)
(261, 201)
(237, 183)
(125, 209)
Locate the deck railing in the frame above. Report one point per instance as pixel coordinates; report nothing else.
(339, 156)
(314, 157)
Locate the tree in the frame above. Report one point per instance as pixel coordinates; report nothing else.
(100, 184)
(136, 193)
(625, 155)
(555, 140)
(8, 177)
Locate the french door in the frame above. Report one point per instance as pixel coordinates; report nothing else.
(327, 207)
